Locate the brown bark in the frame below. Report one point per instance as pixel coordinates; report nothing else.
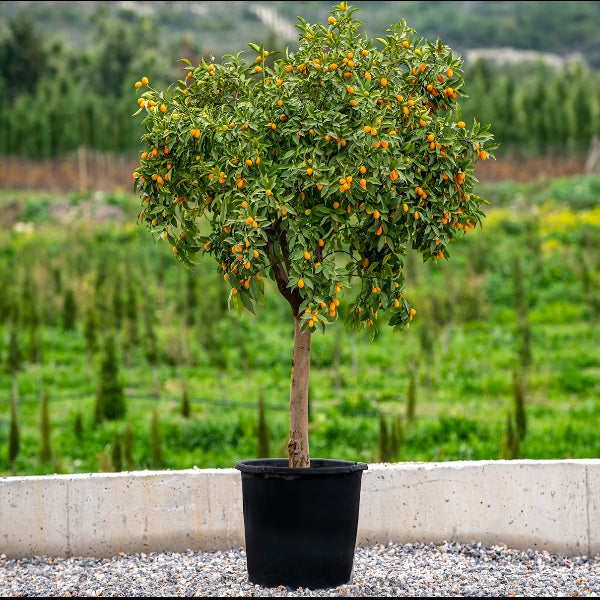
(281, 266)
(298, 449)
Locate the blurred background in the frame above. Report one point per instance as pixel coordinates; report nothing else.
(68, 68)
(113, 356)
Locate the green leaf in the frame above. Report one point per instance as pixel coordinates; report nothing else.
(247, 301)
(235, 301)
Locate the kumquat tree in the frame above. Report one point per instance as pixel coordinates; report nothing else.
(318, 173)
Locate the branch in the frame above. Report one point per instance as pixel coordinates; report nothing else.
(281, 269)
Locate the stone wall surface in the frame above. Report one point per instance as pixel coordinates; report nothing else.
(549, 505)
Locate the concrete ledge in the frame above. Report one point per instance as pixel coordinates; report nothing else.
(552, 505)
(103, 514)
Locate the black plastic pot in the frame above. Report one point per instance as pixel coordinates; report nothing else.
(300, 524)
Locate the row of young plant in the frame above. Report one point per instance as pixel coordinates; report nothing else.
(156, 373)
(534, 107)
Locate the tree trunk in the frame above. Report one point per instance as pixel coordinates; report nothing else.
(298, 451)
(298, 454)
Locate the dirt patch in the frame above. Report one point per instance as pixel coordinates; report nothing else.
(94, 209)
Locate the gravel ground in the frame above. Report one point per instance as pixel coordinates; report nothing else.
(448, 569)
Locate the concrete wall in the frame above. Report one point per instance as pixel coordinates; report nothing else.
(552, 505)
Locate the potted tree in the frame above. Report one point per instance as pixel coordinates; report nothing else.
(316, 171)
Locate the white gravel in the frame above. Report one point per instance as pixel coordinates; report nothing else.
(424, 570)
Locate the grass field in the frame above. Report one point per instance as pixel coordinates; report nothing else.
(483, 336)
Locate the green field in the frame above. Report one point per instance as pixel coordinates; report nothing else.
(483, 337)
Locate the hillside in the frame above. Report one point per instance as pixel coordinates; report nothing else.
(72, 60)
(565, 30)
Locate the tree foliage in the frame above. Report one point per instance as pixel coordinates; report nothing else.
(110, 395)
(22, 56)
(316, 172)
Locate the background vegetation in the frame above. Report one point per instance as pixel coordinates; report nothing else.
(112, 356)
(119, 347)
(77, 63)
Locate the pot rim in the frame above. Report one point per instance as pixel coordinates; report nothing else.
(318, 466)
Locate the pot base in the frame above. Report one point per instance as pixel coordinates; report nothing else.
(300, 524)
